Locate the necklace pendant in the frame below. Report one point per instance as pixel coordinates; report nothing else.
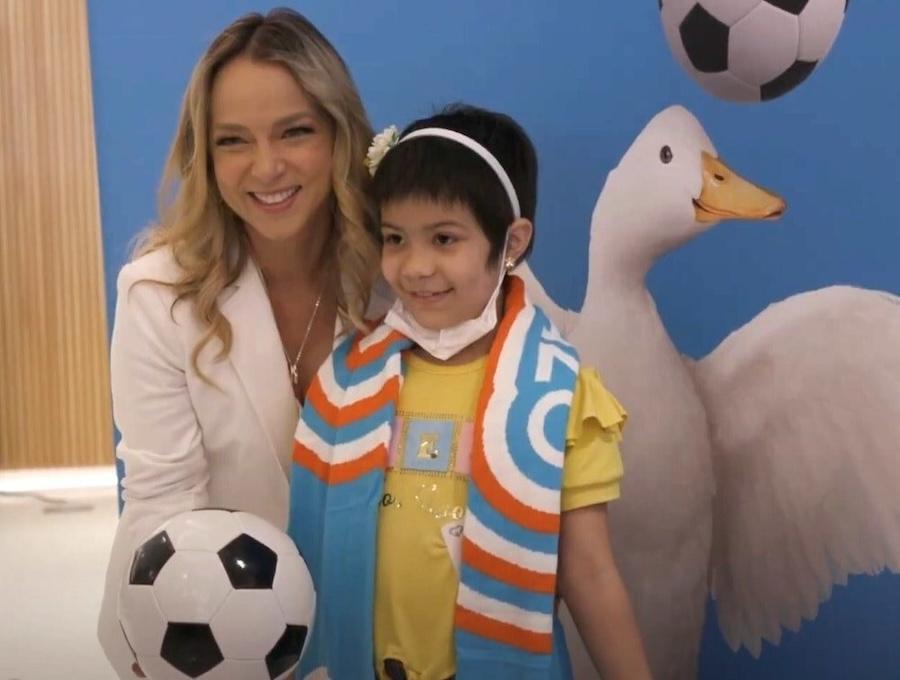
(293, 366)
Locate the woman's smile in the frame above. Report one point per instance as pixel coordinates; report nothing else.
(275, 201)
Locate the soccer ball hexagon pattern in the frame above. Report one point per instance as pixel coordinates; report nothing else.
(751, 50)
(216, 594)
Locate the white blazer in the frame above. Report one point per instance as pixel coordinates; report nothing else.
(185, 443)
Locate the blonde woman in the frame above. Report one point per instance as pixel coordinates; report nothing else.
(264, 250)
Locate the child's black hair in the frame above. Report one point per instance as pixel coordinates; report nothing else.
(442, 170)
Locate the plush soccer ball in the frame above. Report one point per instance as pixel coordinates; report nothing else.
(751, 50)
(217, 595)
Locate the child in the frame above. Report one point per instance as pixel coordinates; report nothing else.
(452, 467)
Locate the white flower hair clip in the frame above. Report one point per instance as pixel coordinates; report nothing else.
(383, 142)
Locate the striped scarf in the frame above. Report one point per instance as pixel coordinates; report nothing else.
(505, 612)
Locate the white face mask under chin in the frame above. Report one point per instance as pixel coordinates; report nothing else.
(447, 342)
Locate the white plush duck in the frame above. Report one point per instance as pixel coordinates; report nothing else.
(767, 471)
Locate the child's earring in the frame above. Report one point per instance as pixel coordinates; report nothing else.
(509, 264)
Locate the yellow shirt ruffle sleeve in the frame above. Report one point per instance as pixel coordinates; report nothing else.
(593, 465)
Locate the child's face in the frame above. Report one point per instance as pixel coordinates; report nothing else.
(435, 258)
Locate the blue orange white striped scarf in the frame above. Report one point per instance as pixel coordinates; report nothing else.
(505, 613)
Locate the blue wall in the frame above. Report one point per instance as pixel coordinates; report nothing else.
(583, 80)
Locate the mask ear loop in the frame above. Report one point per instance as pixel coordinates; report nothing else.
(507, 262)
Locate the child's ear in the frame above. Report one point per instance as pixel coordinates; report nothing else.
(518, 236)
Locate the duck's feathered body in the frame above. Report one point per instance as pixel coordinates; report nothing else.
(763, 473)
(664, 191)
(661, 527)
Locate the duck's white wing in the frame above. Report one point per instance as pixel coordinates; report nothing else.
(804, 410)
(564, 319)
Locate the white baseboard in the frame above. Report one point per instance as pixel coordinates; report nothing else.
(58, 479)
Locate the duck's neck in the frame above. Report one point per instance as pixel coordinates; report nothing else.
(617, 258)
(630, 230)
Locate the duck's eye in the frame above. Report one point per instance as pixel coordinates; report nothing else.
(665, 154)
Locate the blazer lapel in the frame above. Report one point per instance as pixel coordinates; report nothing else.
(258, 359)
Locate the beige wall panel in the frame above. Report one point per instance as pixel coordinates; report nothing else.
(54, 397)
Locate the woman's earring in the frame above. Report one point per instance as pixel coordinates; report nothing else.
(509, 264)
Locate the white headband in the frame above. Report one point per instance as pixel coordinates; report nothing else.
(480, 150)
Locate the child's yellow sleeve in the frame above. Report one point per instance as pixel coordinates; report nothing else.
(593, 465)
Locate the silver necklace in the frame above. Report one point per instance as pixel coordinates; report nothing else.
(293, 365)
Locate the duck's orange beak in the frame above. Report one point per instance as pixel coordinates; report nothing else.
(728, 196)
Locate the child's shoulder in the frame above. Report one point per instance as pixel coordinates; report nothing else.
(592, 399)
(363, 342)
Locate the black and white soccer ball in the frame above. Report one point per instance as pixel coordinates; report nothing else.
(751, 50)
(217, 595)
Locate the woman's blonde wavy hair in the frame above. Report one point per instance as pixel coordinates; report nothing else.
(206, 238)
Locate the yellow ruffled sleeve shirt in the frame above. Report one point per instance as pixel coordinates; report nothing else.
(424, 503)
